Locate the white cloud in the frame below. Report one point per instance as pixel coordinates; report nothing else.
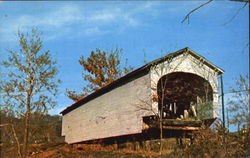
(69, 19)
(130, 21)
(47, 22)
(104, 16)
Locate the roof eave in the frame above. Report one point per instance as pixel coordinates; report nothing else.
(216, 68)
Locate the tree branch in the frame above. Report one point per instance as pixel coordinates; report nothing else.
(237, 12)
(247, 1)
(15, 136)
(188, 15)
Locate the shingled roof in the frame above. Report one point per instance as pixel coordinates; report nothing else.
(137, 73)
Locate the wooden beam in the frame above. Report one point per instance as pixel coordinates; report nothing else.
(181, 128)
(174, 122)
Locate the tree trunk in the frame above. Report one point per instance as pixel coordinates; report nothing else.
(26, 126)
(161, 134)
(26, 135)
(161, 115)
(17, 141)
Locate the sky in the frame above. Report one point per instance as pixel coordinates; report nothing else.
(145, 30)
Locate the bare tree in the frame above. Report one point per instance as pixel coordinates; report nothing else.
(30, 81)
(157, 104)
(239, 104)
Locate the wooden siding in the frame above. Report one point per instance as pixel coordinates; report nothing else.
(112, 114)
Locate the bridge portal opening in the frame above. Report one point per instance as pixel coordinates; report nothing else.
(184, 96)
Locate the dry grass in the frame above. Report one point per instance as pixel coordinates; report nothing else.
(132, 150)
(207, 144)
(88, 151)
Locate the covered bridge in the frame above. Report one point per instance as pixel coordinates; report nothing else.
(181, 88)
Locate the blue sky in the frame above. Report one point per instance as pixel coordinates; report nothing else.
(72, 28)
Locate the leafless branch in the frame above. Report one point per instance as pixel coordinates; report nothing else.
(237, 12)
(145, 106)
(188, 15)
(240, 1)
(15, 136)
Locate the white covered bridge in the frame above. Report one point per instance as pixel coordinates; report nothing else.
(182, 87)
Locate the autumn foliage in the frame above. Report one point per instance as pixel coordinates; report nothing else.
(100, 69)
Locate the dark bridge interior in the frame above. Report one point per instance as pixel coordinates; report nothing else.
(179, 91)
